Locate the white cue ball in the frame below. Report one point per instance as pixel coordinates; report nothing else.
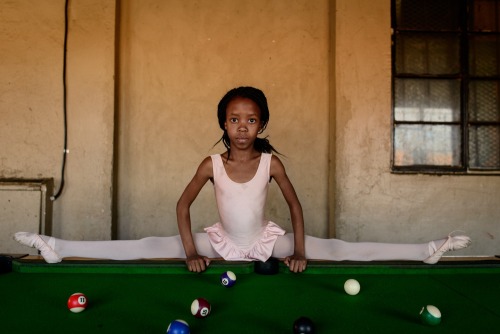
(352, 287)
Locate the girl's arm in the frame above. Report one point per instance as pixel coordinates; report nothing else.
(194, 261)
(296, 262)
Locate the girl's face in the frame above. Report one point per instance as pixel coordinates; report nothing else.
(243, 122)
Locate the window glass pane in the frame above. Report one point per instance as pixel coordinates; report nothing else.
(427, 54)
(483, 55)
(485, 15)
(484, 104)
(437, 145)
(484, 147)
(426, 100)
(427, 14)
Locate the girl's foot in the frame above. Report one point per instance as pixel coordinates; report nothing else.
(452, 243)
(36, 241)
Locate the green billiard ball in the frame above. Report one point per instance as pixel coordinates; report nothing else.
(430, 315)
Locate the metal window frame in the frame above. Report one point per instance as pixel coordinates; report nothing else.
(465, 79)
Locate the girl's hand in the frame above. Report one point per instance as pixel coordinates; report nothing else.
(296, 263)
(197, 263)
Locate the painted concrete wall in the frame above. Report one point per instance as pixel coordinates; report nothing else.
(372, 203)
(176, 60)
(31, 106)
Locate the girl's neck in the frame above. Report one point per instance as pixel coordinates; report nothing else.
(241, 166)
(242, 156)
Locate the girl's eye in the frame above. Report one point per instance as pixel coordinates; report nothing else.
(233, 120)
(252, 121)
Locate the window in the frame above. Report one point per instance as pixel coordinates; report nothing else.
(446, 86)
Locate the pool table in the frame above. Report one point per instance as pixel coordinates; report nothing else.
(145, 296)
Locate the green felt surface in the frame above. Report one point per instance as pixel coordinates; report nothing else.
(146, 297)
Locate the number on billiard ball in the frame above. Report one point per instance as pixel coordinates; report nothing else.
(303, 325)
(200, 308)
(228, 279)
(77, 302)
(178, 327)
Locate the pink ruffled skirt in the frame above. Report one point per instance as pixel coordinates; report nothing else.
(260, 250)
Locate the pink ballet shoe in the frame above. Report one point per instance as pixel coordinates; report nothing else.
(452, 243)
(35, 241)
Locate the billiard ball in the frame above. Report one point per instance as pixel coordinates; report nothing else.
(200, 308)
(430, 315)
(178, 327)
(228, 279)
(303, 325)
(269, 267)
(352, 287)
(77, 302)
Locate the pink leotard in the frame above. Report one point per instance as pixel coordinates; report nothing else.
(243, 234)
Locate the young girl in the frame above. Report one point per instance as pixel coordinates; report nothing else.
(241, 177)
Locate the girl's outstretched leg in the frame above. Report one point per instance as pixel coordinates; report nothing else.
(338, 250)
(53, 250)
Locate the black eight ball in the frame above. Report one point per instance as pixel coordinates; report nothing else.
(303, 325)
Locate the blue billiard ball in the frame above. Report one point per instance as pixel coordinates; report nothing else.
(178, 327)
(228, 279)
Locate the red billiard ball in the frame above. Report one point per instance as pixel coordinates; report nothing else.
(77, 302)
(200, 308)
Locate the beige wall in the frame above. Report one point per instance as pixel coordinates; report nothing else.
(178, 59)
(372, 203)
(31, 106)
(329, 95)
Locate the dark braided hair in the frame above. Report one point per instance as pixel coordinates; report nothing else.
(261, 144)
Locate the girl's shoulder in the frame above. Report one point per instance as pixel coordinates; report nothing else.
(277, 166)
(274, 158)
(205, 168)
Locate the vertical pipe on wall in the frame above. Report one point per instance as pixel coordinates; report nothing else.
(332, 121)
(116, 123)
